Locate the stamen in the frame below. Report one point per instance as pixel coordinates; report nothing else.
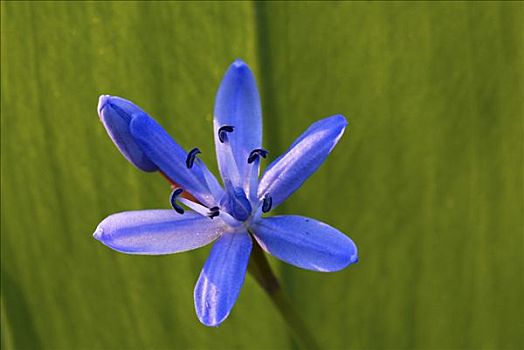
(191, 157)
(255, 154)
(252, 178)
(174, 195)
(267, 202)
(213, 212)
(199, 208)
(230, 168)
(222, 132)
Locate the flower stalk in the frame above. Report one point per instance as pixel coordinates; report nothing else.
(261, 271)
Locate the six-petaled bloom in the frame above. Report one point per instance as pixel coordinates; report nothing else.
(231, 215)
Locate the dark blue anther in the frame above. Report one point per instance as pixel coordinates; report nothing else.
(174, 195)
(266, 204)
(191, 157)
(259, 152)
(213, 212)
(222, 132)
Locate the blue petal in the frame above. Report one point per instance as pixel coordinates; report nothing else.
(305, 243)
(162, 150)
(238, 104)
(289, 171)
(222, 277)
(153, 232)
(116, 114)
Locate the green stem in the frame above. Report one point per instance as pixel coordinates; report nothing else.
(261, 271)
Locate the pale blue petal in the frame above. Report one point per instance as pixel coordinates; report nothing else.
(116, 114)
(305, 242)
(287, 173)
(170, 158)
(154, 232)
(222, 277)
(238, 104)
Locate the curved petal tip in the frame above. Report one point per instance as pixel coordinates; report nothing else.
(210, 321)
(341, 119)
(103, 100)
(353, 259)
(98, 233)
(239, 63)
(116, 114)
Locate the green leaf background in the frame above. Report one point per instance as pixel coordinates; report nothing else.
(428, 179)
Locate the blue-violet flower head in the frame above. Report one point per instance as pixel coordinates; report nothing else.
(231, 215)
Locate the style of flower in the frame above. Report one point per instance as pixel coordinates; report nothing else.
(232, 215)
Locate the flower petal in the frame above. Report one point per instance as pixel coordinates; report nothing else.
(222, 277)
(287, 173)
(162, 150)
(154, 232)
(116, 114)
(305, 242)
(238, 104)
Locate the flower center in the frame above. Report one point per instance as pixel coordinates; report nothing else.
(235, 206)
(235, 202)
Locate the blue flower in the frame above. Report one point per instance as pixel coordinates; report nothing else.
(231, 215)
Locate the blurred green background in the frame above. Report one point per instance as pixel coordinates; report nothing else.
(428, 179)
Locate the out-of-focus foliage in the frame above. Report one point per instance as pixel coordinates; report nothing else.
(427, 180)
